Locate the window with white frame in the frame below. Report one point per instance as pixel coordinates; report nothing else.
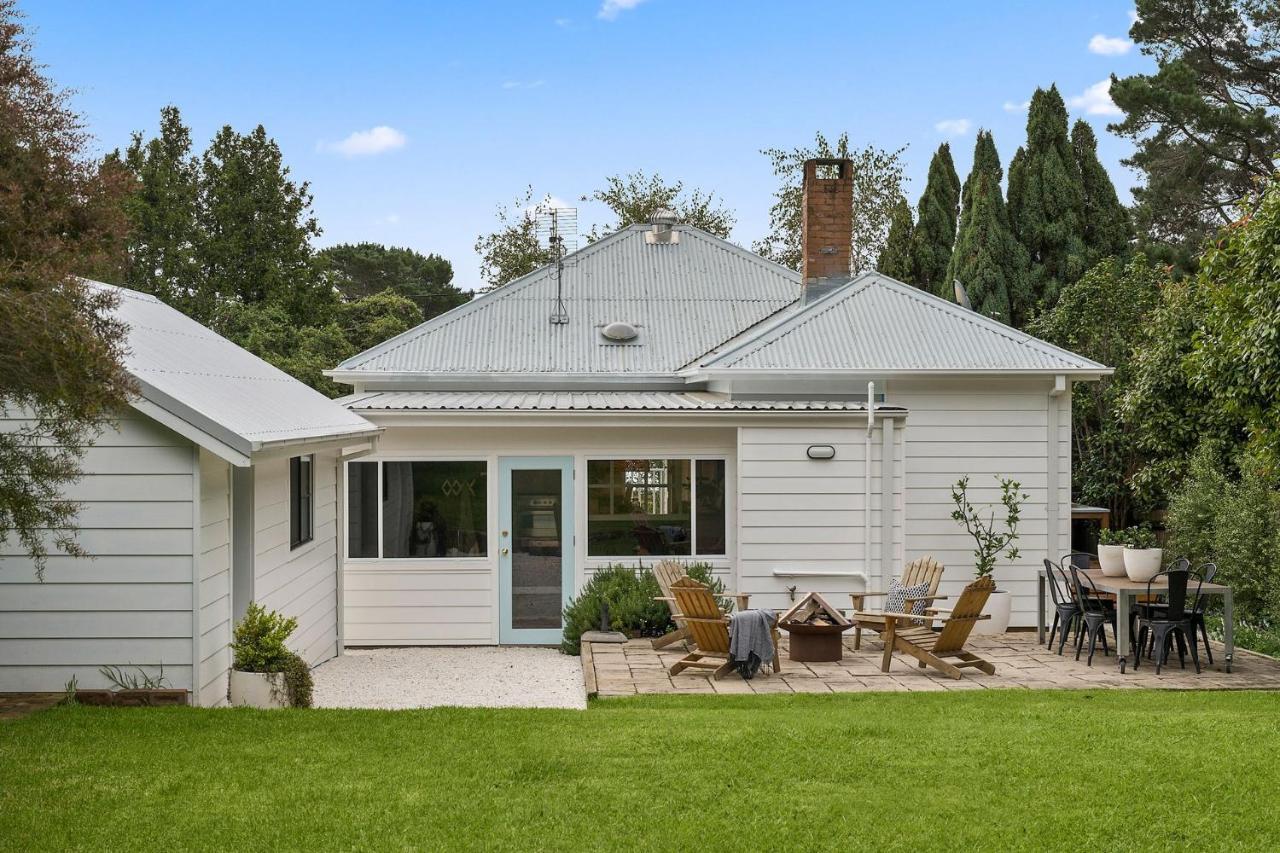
(417, 509)
(655, 507)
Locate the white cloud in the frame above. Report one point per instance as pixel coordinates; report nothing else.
(1013, 107)
(1096, 100)
(563, 23)
(611, 9)
(523, 84)
(391, 219)
(1109, 45)
(1133, 16)
(366, 143)
(953, 126)
(547, 202)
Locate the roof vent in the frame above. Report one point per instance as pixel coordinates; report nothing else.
(663, 221)
(620, 332)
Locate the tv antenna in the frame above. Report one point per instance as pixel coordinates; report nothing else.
(557, 232)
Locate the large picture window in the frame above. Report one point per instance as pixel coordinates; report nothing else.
(425, 510)
(655, 507)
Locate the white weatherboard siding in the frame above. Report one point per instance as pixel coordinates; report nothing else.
(131, 602)
(455, 601)
(985, 429)
(215, 580)
(301, 582)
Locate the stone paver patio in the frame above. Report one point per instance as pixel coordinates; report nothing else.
(635, 667)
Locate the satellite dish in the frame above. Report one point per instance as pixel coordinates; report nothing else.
(962, 295)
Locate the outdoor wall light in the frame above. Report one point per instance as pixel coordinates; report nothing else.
(821, 451)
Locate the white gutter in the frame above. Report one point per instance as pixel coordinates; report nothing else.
(866, 478)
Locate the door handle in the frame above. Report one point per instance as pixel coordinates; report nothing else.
(506, 551)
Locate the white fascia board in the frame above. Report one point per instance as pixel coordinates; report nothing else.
(391, 419)
(369, 380)
(192, 433)
(787, 373)
(297, 446)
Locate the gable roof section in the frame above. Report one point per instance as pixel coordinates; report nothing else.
(685, 298)
(876, 324)
(214, 392)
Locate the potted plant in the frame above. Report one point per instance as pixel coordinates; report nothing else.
(265, 672)
(1142, 559)
(1111, 545)
(990, 542)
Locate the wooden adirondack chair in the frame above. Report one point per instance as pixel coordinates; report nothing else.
(934, 649)
(925, 569)
(668, 572)
(708, 630)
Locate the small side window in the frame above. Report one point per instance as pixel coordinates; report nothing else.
(301, 501)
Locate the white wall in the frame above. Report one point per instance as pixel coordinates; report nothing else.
(131, 603)
(301, 582)
(985, 429)
(215, 580)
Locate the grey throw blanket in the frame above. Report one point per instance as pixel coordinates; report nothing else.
(751, 636)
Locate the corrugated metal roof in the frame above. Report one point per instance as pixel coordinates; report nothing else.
(567, 401)
(218, 387)
(684, 298)
(876, 323)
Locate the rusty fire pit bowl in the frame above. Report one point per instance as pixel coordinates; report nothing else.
(815, 643)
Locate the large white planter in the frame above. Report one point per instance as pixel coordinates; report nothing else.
(1142, 564)
(258, 689)
(999, 606)
(1111, 559)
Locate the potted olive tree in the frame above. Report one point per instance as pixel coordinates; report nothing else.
(1142, 559)
(265, 672)
(991, 539)
(1111, 547)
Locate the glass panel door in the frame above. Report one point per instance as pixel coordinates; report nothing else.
(535, 559)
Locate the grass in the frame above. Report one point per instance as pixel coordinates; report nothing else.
(984, 770)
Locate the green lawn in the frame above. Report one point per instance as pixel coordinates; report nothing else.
(991, 770)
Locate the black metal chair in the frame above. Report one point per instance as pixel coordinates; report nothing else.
(1199, 630)
(1096, 611)
(1066, 613)
(1163, 626)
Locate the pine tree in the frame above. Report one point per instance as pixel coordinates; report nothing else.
(935, 231)
(895, 257)
(1107, 229)
(988, 260)
(1046, 199)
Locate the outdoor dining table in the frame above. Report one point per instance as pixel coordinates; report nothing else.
(1126, 591)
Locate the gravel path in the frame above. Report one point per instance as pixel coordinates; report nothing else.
(467, 676)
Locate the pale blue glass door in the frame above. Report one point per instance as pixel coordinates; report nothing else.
(535, 547)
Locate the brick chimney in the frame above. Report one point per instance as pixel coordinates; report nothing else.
(826, 225)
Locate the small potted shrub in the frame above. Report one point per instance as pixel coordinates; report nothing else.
(1142, 559)
(265, 672)
(990, 542)
(1111, 545)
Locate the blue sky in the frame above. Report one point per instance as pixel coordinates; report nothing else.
(413, 121)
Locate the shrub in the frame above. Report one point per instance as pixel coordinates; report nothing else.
(630, 594)
(1113, 536)
(258, 645)
(1140, 537)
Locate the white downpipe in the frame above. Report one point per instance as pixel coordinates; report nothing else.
(866, 481)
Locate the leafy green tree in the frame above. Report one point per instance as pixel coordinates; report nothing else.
(877, 187)
(895, 257)
(60, 348)
(1046, 199)
(935, 233)
(634, 198)
(360, 270)
(1236, 355)
(513, 250)
(1206, 124)
(1107, 230)
(369, 321)
(987, 259)
(1102, 316)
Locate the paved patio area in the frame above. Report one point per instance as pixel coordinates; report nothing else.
(634, 667)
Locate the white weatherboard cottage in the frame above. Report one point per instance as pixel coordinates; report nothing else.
(218, 487)
(668, 394)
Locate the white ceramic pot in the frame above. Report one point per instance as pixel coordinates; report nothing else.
(1111, 559)
(258, 689)
(1142, 564)
(999, 606)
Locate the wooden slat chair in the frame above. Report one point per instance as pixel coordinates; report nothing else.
(668, 572)
(934, 649)
(925, 569)
(708, 628)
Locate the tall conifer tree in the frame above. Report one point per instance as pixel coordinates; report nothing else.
(935, 231)
(988, 260)
(1046, 199)
(1107, 228)
(895, 258)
